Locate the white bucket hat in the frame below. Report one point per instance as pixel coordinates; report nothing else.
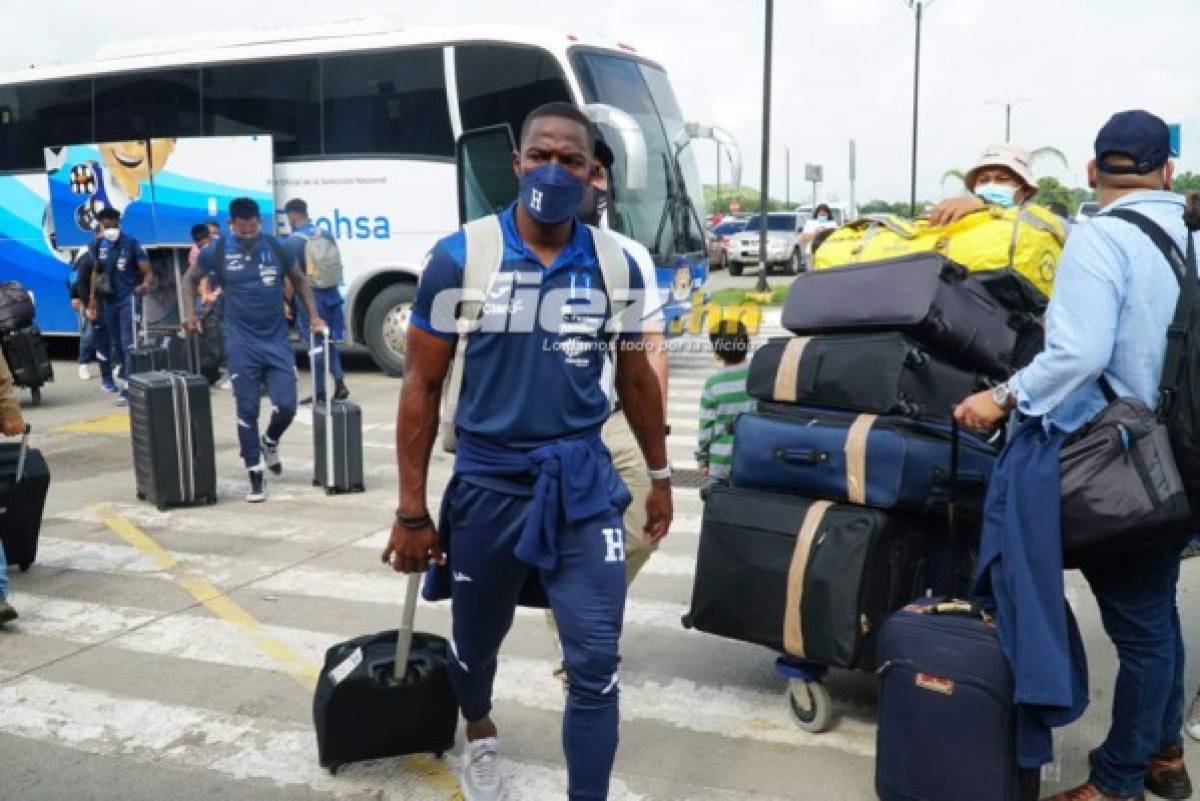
(1014, 158)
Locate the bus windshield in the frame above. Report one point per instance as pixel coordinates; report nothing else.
(655, 215)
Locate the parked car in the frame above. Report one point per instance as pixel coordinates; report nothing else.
(1088, 208)
(718, 243)
(783, 243)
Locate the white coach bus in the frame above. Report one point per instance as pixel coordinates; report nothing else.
(365, 121)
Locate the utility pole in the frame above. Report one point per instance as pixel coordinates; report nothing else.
(718, 178)
(787, 168)
(1009, 105)
(919, 6)
(853, 170)
(764, 181)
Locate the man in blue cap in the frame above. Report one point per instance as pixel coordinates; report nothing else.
(534, 493)
(1114, 299)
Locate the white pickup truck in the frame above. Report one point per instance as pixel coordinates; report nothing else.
(784, 249)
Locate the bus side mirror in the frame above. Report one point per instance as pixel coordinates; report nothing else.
(486, 181)
(715, 133)
(633, 141)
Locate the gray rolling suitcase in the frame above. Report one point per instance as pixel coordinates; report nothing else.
(174, 460)
(337, 435)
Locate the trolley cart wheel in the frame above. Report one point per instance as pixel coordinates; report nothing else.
(811, 705)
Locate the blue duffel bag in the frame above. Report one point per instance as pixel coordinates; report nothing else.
(884, 462)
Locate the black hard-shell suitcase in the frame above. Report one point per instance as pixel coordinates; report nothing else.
(946, 688)
(885, 373)
(173, 455)
(933, 300)
(363, 710)
(337, 439)
(808, 578)
(16, 306)
(28, 359)
(24, 482)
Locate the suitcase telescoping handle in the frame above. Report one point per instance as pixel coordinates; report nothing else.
(328, 404)
(954, 545)
(405, 635)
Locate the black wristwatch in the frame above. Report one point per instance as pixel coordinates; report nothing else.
(414, 523)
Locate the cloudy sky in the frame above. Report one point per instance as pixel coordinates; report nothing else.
(843, 68)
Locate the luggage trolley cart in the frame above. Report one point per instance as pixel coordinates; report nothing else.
(808, 697)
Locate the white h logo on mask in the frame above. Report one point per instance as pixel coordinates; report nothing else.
(535, 199)
(614, 544)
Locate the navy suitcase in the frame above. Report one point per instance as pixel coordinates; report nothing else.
(925, 296)
(884, 462)
(808, 578)
(947, 724)
(884, 373)
(24, 482)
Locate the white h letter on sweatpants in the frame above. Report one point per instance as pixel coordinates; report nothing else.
(614, 544)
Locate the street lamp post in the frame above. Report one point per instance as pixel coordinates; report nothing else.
(787, 179)
(1008, 107)
(718, 177)
(918, 6)
(764, 182)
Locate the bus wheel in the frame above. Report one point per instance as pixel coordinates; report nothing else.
(386, 326)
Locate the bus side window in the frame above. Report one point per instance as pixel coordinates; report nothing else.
(280, 98)
(391, 102)
(503, 83)
(37, 115)
(162, 103)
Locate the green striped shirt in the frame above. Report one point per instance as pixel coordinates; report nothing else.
(723, 399)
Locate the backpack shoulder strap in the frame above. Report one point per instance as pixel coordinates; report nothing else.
(218, 265)
(484, 256)
(614, 269)
(277, 248)
(1184, 269)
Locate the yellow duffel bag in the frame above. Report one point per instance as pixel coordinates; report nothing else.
(1029, 239)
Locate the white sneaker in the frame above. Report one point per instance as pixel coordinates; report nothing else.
(1191, 723)
(482, 778)
(84, 373)
(226, 384)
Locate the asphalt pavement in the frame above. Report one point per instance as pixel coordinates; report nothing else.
(170, 655)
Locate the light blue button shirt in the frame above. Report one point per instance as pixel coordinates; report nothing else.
(1114, 297)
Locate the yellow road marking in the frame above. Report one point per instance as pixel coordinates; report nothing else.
(117, 423)
(296, 665)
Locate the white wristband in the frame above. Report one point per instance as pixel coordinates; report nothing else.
(661, 473)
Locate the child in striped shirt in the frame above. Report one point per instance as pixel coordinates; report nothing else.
(723, 399)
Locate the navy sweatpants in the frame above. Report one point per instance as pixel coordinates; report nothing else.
(114, 337)
(251, 365)
(586, 593)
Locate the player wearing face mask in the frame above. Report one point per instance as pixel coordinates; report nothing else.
(1003, 177)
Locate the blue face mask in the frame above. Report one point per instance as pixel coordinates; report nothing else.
(998, 194)
(550, 194)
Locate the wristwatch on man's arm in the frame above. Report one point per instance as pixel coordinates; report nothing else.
(1004, 397)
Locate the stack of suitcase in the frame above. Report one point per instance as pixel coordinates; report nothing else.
(22, 342)
(836, 513)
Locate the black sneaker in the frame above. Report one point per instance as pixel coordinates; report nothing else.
(258, 487)
(7, 613)
(341, 391)
(270, 453)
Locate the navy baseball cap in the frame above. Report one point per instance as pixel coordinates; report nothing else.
(1138, 135)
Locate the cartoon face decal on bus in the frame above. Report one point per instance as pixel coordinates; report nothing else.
(117, 181)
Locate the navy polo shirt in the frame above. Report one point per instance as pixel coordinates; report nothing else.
(252, 285)
(120, 261)
(533, 369)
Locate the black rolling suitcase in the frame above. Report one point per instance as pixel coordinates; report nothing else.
(16, 306)
(364, 708)
(146, 356)
(28, 359)
(173, 456)
(885, 373)
(808, 578)
(933, 300)
(337, 437)
(24, 482)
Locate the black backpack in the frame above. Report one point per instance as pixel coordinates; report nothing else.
(1179, 388)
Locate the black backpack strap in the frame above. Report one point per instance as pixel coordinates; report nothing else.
(1184, 268)
(278, 249)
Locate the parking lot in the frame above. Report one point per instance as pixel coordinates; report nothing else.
(172, 655)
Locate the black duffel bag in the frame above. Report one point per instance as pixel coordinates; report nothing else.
(16, 306)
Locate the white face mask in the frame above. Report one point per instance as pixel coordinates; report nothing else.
(112, 234)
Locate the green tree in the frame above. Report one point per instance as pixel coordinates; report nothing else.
(748, 200)
(899, 208)
(1187, 182)
(1050, 190)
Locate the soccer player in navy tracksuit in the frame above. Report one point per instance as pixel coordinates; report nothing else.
(124, 263)
(534, 492)
(250, 266)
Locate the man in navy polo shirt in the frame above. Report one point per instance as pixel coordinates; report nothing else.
(125, 267)
(250, 267)
(534, 492)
